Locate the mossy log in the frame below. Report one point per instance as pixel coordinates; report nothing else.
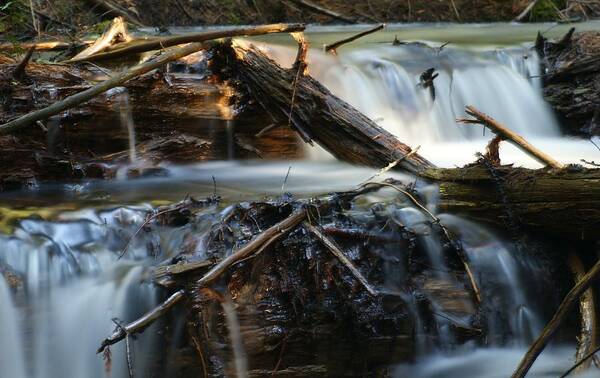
(565, 202)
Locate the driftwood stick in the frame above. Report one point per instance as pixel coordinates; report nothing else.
(586, 341)
(152, 43)
(332, 48)
(335, 249)
(142, 323)
(507, 134)
(563, 310)
(90, 93)
(324, 11)
(259, 243)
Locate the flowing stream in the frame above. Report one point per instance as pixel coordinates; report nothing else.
(63, 242)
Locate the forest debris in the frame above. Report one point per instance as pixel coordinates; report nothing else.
(561, 313)
(321, 10)
(587, 340)
(256, 245)
(143, 322)
(332, 48)
(507, 134)
(141, 45)
(115, 33)
(583, 360)
(321, 116)
(335, 249)
(90, 93)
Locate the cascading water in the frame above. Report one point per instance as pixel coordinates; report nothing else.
(73, 285)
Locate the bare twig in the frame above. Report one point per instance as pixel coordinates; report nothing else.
(114, 34)
(333, 247)
(507, 134)
(563, 310)
(332, 48)
(142, 323)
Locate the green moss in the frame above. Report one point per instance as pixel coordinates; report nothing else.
(547, 10)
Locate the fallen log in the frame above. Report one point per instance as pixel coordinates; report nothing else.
(318, 114)
(565, 200)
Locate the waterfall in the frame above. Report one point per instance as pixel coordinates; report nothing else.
(73, 286)
(12, 360)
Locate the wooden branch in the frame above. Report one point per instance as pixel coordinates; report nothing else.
(563, 310)
(580, 362)
(142, 323)
(324, 11)
(333, 247)
(90, 93)
(526, 11)
(152, 43)
(259, 243)
(507, 134)
(332, 48)
(586, 341)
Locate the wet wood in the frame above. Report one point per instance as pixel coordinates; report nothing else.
(570, 300)
(565, 202)
(88, 94)
(317, 114)
(143, 322)
(572, 82)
